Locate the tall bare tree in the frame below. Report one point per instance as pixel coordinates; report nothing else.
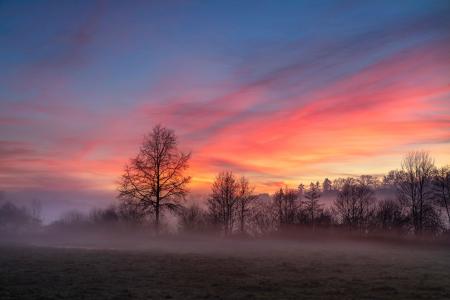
(223, 201)
(154, 180)
(287, 204)
(245, 197)
(413, 184)
(312, 204)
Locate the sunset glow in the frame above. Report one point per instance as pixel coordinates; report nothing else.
(283, 95)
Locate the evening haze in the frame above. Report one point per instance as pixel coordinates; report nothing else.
(282, 94)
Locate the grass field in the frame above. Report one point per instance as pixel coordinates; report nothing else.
(227, 270)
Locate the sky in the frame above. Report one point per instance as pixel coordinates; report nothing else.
(282, 92)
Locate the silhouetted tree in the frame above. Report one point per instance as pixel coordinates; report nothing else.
(301, 189)
(245, 197)
(390, 178)
(326, 185)
(14, 219)
(442, 188)
(432, 221)
(155, 179)
(286, 202)
(413, 184)
(223, 201)
(105, 216)
(263, 218)
(312, 205)
(369, 180)
(354, 203)
(338, 183)
(388, 215)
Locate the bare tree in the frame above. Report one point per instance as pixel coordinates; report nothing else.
(327, 184)
(14, 218)
(442, 188)
(345, 204)
(223, 201)
(108, 216)
(388, 215)
(155, 179)
(263, 218)
(338, 183)
(245, 197)
(287, 204)
(390, 179)
(312, 205)
(413, 184)
(301, 189)
(354, 203)
(369, 180)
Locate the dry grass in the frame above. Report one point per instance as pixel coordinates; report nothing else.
(227, 270)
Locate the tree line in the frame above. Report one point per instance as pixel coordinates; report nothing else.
(154, 183)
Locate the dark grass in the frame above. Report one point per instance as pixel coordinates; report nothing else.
(234, 270)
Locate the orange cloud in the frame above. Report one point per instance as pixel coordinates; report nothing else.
(359, 118)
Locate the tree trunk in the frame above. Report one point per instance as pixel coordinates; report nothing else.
(242, 218)
(157, 211)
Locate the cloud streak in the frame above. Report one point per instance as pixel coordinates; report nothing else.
(282, 113)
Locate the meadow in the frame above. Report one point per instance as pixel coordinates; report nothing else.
(221, 269)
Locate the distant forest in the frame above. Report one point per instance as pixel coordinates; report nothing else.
(413, 200)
